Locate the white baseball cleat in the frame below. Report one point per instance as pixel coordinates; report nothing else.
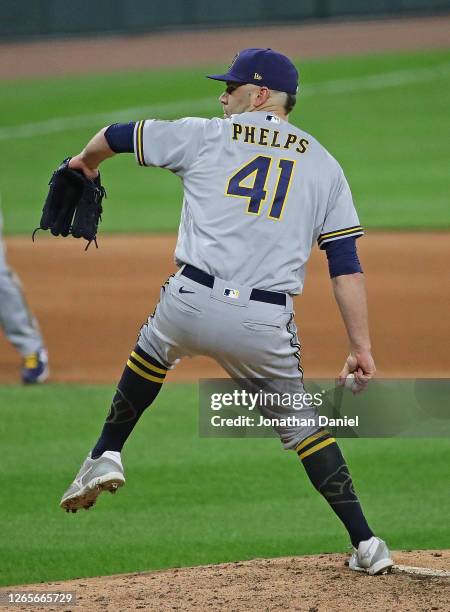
(95, 476)
(371, 556)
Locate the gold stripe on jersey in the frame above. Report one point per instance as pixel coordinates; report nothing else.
(143, 374)
(349, 231)
(140, 143)
(147, 364)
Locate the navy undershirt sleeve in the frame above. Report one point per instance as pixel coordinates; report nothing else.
(120, 137)
(342, 257)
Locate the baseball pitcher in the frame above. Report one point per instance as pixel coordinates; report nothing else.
(259, 192)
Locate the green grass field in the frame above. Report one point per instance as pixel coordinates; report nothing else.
(190, 500)
(384, 117)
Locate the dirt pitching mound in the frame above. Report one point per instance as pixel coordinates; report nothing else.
(312, 583)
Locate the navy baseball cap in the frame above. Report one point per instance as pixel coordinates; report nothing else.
(262, 67)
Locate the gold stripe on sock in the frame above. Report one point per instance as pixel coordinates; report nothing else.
(316, 448)
(310, 439)
(135, 368)
(147, 364)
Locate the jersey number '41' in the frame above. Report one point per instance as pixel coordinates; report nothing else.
(250, 182)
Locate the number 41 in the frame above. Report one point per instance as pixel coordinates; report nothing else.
(256, 172)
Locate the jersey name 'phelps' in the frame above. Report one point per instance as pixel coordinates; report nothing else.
(267, 137)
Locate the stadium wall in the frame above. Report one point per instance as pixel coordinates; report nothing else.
(23, 19)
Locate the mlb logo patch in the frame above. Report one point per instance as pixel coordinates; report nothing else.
(231, 293)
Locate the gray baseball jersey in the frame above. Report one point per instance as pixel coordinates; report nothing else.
(258, 192)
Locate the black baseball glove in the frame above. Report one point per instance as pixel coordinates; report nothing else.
(73, 204)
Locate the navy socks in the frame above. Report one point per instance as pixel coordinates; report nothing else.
(329, 474)
(141, 382)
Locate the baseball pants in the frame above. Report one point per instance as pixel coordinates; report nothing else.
(249, 338)
(19, 324)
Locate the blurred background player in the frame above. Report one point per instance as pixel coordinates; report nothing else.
(19, 324)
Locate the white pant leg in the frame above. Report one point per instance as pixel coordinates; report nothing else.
(18, 323)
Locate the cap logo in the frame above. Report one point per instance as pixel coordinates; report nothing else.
(257, 76)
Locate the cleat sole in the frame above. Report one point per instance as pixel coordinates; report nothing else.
(381, 567)
(87, 497)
